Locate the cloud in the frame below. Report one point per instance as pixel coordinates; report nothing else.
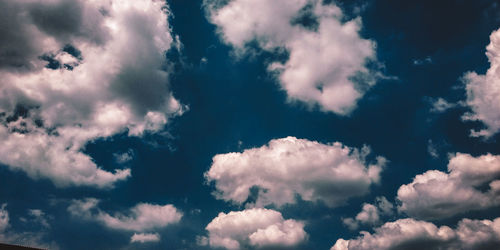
(140, 218)
(124, 157)
(431, 149)
(440, 105)
(327, 57)
(426, 60)
(256, 227)
(142, 238)
(287, 167)
(29, 28)
(483, 93)
(75, 71)
(370, 214)
(4, 218)
(39, 217)
(472, 183)
(415, 234)
(385, 207)
(32, 239)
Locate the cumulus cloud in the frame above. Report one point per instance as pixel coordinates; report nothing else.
(483, 91)
(74, 71)
(142, 237)
(256, 227)
(327, 57)
(141, 217)
(287, 167)
(415, 234)
(370, 214)
(472, 183)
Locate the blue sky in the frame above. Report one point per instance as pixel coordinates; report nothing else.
(250, 124)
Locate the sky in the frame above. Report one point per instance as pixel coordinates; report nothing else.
(250, 124)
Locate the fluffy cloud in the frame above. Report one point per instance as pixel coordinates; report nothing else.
(414, 234)
(327, 57)
(370, 214)
(287, 167)
(255, 227)
(142, 238)
(471, 183)
(483, 91)
(141, 217)
(74, 71)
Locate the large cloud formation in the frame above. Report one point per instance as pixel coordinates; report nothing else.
(327, 57)
(483, 91)
(287, 167)
(415, 234)
(256, 227)
(471, 183)
(74, 71)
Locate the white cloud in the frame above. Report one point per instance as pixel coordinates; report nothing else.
(435, 194)
(287, 167)
(143, 217)
(34, 239)
(257, 227)
(124, 157)
(426, 60)
(431, 149)
(385, 206)
(107, 78)
(4, 218)
(414, 234)
(326, 64)
(139, 218)
(440, 105)
(142, 237)
(483, 91)
(39, 217)
(370, 214)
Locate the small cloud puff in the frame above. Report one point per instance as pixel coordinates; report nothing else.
(370, 214)
(144, 237)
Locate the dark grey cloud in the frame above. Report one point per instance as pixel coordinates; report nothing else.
(82, 70)
(33, 28)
